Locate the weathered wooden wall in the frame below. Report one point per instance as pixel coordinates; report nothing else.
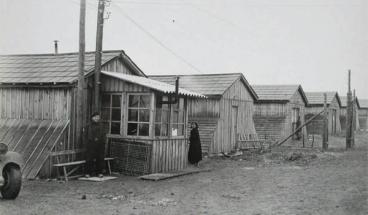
(333, 106)
(343, 118)
(35, 102)
(42, 103)
(274, 120)
(296, 101)
(236, 96)
(169, 154)
(363, 119)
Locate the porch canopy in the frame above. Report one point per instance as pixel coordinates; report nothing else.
(152, 84)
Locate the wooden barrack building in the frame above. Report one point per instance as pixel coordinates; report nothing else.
(278, 109)
(315, 105)
(38, 113)
(225, 114)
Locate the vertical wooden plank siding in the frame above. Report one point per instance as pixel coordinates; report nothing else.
(334, 105)
(169, 155)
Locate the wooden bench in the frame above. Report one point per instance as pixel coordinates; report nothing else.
(67, 174)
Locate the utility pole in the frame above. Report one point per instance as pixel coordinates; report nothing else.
(353, 103)
(80, 97)
(99, 35)
(325, 124)
(349, 116)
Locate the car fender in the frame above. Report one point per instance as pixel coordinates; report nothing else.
(10, 157)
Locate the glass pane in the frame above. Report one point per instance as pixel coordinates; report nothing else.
(115, 127)
(158, 101)
(105, 114)
(115, 114)
(143, 129)
(181, 103)
(132, 129)
(165, 116)
(181, 117)
(174, 130)
(180, 130)
(175, 117)
(157, 130)
(144, 115)
(158, 115)
(133, 115)
(165, 106)
(116, 100)
(105, 100)
(145, 101)
(133, 101)
(164, 132)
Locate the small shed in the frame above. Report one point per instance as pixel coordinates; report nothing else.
(343, 112)
(363, 114)
(226, 113)
(278, 109)
(315, 106)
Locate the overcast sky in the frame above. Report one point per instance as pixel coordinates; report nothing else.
(308, 42)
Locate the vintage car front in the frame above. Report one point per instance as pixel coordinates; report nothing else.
(10, 172)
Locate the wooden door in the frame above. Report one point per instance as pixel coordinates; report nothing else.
(333, 120)
(234, 125)
(294, 119)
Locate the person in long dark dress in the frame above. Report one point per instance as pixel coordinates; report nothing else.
(195, 149)
(95, 147)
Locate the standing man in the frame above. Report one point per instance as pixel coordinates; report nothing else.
(95, 153)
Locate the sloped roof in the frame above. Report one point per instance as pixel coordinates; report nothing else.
(344, 100)
(152, 84)
(317, 98)
(51, 68)
(206, 84)
(363, 103)
(278, 93)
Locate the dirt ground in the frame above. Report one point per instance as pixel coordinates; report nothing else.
(278, 182)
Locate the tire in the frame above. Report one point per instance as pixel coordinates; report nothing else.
(13, 182)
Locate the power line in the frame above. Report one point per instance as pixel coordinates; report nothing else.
(157, 40)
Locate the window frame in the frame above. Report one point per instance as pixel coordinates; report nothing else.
(150, 110)
(110, 108)
(170, 119)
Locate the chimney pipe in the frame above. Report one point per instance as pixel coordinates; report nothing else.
(56, 46)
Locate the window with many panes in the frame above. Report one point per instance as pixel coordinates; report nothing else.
(169, 118)
(139, 106)
(111, 112)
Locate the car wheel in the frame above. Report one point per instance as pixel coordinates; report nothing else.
(12, 182)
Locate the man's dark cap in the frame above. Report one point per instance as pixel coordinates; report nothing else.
(95, 114)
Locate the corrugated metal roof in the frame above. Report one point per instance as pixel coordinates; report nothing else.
(51, 68)
(317, 98)
(206, 84)
(152, 84)
(278, 92)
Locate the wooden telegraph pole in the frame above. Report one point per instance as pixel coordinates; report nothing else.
(325, 124)
(349, 116)
(80, 97)
(99, 35)
(353, 103)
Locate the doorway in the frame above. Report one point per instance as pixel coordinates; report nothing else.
(234, 125)
(295, 122)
